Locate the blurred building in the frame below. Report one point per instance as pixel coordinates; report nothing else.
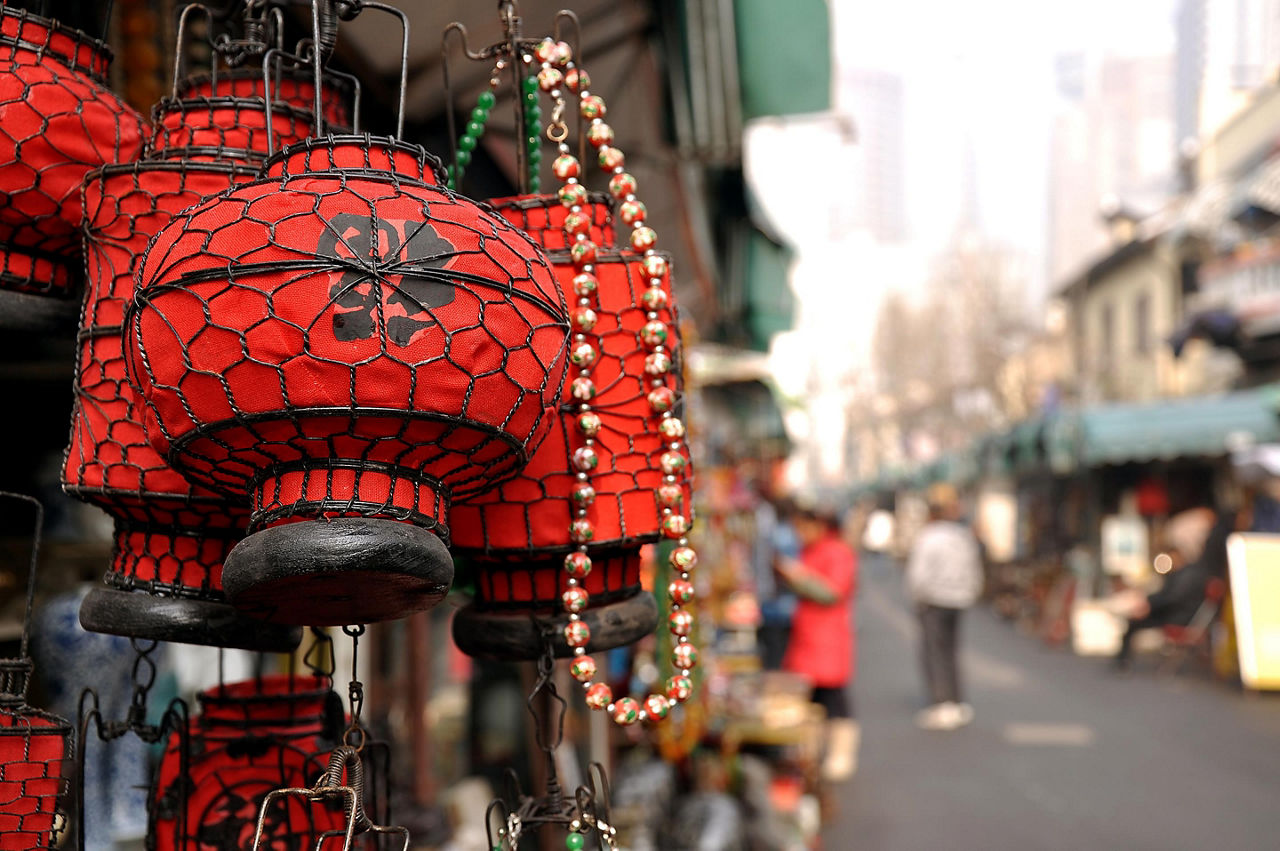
(1240, 44)
(876, 100)
(1112, 138)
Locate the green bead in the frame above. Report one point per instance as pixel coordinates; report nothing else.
(535, 185)
(479, 115)
(475, 128)
(574, 841)
(535, 113)
(467, 143)
(486, 100)
(531, 99)
(464, 158)
(535, 155)
(530, 85)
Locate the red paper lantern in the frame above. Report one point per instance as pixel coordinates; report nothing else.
(345, 341)
(518, 534)
(35, 752)
(35, 746)
(291, 86)
(252, 737)
(225, 129)
(170, 538)
(58, 121)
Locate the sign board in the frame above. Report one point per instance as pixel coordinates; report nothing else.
(1253, 560)
(1124, 548)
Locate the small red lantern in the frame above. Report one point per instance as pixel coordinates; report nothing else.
(170, 538)
(345, 341)
(519, 534)
(58, 121)
(251, 737)
(225, 129)
(338, 92)
(35, 746)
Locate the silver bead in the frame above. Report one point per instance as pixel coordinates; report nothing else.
(571, 581)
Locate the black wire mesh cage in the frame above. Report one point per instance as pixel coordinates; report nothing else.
(35, 745)
(58, 120)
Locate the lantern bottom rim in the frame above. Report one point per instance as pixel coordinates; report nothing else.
(346, 570)
(43, 313)
(508, 636)
(182, 620)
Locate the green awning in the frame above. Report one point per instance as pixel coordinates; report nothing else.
(1202, 426)
(770, 304)
(784, 56)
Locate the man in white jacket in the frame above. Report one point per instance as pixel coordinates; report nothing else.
(944, 577)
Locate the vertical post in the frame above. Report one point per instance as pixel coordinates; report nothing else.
(419, 664)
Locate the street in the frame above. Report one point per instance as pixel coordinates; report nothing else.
(1062, 754)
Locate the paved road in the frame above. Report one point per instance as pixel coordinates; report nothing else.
(1062, 754)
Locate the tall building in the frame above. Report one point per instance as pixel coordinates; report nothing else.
(1112, 145)
(1189, 25)
(875, 99)
(1240, 44)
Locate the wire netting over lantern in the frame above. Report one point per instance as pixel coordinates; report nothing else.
(345, 340)
(251, 737)
(170, 538)
(519, 533)
(339, 93)
(58, 121)
(35, 746)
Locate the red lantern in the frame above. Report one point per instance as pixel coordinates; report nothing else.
(58, 121)
(171, 539)
(252, 737)
(292, 87)
(225, 129)
(519, 534)
(345, 341)
(35, 750)
(35, 746)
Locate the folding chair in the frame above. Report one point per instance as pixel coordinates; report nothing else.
(1181, 641)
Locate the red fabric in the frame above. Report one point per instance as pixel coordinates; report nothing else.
(33, 768)
(822, 636)
(167, 531)
(280, 332)
(253, 737)
(537, 585)
(225, 129)
(296, 88)
(533, 511)
(542, 218)
(58, 121)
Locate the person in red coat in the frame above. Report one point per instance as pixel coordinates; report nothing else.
(821, 647)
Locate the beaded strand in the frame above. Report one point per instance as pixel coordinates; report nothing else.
(558, 72)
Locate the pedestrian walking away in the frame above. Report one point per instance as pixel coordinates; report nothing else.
(944, 577)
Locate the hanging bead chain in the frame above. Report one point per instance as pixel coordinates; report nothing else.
(558, 72)
(470, 138)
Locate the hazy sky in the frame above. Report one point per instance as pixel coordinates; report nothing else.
(984, 67)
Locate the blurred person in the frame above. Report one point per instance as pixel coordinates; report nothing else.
(1175, 604)
(821, 646)
(944, 577)
(775, 539)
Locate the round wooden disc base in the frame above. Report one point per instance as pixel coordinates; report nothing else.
(29, 312)
(508, 637)
(140, 615)
(349, 570)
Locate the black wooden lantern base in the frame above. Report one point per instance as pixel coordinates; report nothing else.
(519, 636)
(182, 620)
(28, 312)
(348, 570)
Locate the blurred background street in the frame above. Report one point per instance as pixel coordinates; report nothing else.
(1063, 753)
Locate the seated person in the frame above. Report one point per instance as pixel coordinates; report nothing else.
(1174, 604)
